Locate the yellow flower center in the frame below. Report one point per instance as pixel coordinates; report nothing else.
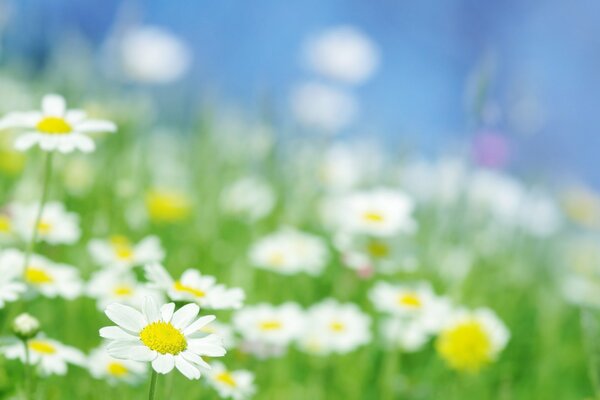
(337, 326)
(37, 276)
(42, 347)
(411, 300)
(166, 206)
(466, 346)
(122, 247)
(123, 290)
(54, 126)
(180, 287)
(270, 325)
(276, 259)
(44, 227)
(163, 337)
(4, 224)
(117, 369)
(226, 378)
(378, 249)
(373, 216)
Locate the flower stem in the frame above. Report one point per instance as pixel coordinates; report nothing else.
(28, 375)
(152, 385)
(38, 217)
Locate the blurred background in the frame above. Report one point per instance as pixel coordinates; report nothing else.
(515, 83)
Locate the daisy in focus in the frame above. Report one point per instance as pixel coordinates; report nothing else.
(332, 327)
(56, 226)
(195, 287)
(289, 251)
(472, 339)
(165, 337)
(237, 385)
(55, 127)
(119, 252)
(103, 366)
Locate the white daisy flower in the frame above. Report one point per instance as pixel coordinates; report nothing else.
(378, 212)
(111, 286)
(11, 286)
(166, 338)
(289, 251)
(119, 252)
(195, 287)
(103, 366)
(249, 197)
(472, 339)
(49, 355)
(55, 127)
(237, 385)
(407, 334)
(44, 276)
(402, 300)
(332, 327)
(272, 325)
(56, 226)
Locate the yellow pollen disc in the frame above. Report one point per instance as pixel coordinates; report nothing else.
(226, 378)
(180, 287)
(123, 290)
(164, 338)
(4, 224)
(122, 247)
(410, 300)
(44, 227)
(117, 369)
(270, 325)
(276, 259)
(39, 346)
(337, 326)
(54, 126)
(167, 206)
(378, 249)
(37, 276)
(373, 216)
(466, 346)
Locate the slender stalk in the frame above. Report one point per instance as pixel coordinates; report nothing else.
(152, 385)
(28, 374)
(45, 186)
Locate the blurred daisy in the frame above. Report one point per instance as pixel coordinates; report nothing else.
(378, 212)
(407, 334)
(103, 366)
(110, 286)
(272, 325)
(6, 227)
(55, 127)
(167, 205)
(166, 338)
(248, 197)
(11, 287)
(56, 226)
(238, 385)
(49, 355)
(195, 287)
(472, 339)
(119, 252)
(331, 327)
(402, 300)
(289, 251)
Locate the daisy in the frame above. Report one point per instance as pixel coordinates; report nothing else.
(407, 334)
(402, 300)
(238, 385)
(55, 127)
(56, 226)
(379, 212)
(44, 276)
(289, 251)
(472, 339)
(272, 325)
(167, 205)
(6, 226)
(249, 197)
(11, 288)
(51, 355)
(119, 252)
(166, 338)
(193, 286)
(103, 366)
(110, 286)
(332, 327)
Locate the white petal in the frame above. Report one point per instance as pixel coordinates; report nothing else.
(54, 105)
(210, 345)
(26, 141)
(151, 310)
(198, 324)
(74, 117)
(96, 125)
(115, 333)
(126, 317)
(182, 317)
(84, 143)
(195, 359)
(186, 368)
(164, 363)
(167, 311)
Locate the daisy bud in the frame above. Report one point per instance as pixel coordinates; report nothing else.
(25, 326)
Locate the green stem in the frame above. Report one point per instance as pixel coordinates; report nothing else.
(38, 218)
(28, 375)
(152, 385)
